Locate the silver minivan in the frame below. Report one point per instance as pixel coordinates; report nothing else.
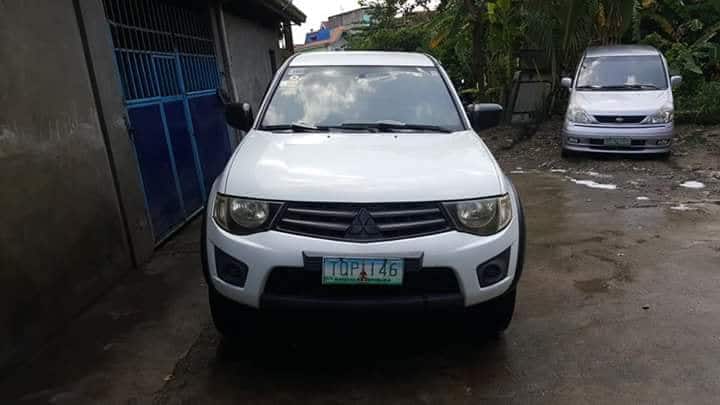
(621, 101)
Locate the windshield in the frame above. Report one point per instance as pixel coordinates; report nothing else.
(356, 96)
(643, 72)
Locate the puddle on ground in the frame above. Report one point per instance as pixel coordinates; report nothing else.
(593, 184)
(682, 207)
(692, 184)
(596, 174)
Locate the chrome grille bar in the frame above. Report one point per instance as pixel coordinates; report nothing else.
(363, 222)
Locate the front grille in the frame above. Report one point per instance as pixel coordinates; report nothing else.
(620, 119)
(363, 222)
(307, 282)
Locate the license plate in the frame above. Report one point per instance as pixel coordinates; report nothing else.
(617, 141)
(354, 271)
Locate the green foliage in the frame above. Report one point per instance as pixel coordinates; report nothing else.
(702, 106)
(687, 35)
(478, 41)
(408, 25)
(506, 29)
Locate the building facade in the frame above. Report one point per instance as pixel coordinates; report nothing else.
(112, 131)
(333, 33)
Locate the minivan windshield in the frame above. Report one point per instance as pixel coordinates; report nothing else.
(639, 72)
(362, 97)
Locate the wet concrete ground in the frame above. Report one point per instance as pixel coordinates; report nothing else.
(620, 303)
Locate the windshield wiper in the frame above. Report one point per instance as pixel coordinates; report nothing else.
(589, 87)
(641, 86)
(620, 87)
(390, 126)
(379, 126)
(298, 126)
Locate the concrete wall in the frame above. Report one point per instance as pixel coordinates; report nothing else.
(61, 231)
(249, 43)
(349, 19)
(72, 210)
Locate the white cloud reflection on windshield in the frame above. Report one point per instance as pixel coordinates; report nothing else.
(336, 95)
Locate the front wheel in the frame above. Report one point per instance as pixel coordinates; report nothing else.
(493, 317)
(231, 319)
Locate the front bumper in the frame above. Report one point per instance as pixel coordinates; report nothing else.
(272, 250)
(594, 138)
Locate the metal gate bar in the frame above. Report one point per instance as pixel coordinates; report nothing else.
(141, 28)
(165, 55)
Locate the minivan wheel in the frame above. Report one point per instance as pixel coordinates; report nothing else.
(231, 319)
(493, 317)
(565, 153)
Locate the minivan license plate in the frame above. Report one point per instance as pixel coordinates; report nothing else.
(618, 141)
(354, 271)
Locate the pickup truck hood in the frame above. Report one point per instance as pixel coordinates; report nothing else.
(621, 102)
(362, 167)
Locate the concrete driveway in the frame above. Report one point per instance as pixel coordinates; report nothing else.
(620, 303)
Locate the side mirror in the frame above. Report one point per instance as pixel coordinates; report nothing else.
(484, 116)
(566, 82)
(239, 116)
(675, 81)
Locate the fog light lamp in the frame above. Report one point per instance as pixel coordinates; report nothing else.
(229, 269)
(495, 270)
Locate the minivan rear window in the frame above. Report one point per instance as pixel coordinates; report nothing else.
(638, 72)
(336, 95)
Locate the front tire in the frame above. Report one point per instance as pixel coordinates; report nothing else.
(493, 317)
(500, 312)
(231, 319)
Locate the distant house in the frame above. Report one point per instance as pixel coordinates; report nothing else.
(333, 33)
(325, 40)
(349, 19)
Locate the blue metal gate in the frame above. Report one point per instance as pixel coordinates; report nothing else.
(166, 61)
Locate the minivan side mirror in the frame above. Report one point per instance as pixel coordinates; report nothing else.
(566, 82)
(239, 116)
(484, 116)
(675, 81)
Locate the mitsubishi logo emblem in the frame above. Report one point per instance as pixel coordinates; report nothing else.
(363, 226)
(619, 119)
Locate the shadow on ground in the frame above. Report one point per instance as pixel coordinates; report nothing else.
(314, 361)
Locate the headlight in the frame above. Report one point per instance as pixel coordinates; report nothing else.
(664, 116)
(243, 216)
(578, 116)
(481, 217)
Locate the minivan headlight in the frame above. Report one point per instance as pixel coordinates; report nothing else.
(486, 216)
(243, 216)
(664, 116)
(578, 116)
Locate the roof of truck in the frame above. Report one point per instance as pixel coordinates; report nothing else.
(621, 50)
(362, 58)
